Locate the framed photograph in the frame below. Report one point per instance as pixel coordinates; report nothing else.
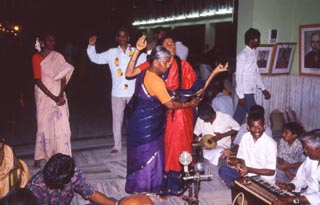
(283, 58)
(264, 57)
(309, 55)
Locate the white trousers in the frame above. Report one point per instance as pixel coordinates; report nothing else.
(118, 105)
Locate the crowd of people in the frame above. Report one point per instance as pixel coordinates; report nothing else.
(157, 92)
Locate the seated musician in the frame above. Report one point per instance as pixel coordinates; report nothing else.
(307, 178)
(220, 125)
(14, 172)
(257, 153)
(290, 152)
(243, 129)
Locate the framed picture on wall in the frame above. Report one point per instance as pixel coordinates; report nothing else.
(283, 58)
(309, 44)
(264, 57)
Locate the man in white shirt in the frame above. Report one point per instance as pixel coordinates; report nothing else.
(220, 125)
(221, 102)
(307, 179)
(181, 50)
(122, 88)
(248, 76)
(243, 129)
(258, 152)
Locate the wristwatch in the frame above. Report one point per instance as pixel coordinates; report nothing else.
(296, 200)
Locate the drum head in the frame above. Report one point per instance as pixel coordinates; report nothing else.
(136, 199)
(209, 142)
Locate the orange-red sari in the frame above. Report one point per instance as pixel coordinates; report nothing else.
(178, 132)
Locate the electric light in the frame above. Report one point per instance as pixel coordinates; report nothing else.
(224, 11)
(13, 30)
(16, 28)
(193, 15)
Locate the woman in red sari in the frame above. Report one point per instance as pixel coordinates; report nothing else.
(179, 126)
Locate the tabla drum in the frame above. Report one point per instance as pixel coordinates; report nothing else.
(197, 153)
(232, 160)
(136, 199)
(209, 142)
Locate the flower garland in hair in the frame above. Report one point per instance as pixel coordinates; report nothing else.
(37, 45)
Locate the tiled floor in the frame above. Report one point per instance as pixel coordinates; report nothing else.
(107, 173)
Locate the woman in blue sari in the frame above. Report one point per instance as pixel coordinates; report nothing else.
(145, 124)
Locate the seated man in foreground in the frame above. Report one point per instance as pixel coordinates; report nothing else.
(257, 153)
(243, 129)
(307, 178)
(58, 181)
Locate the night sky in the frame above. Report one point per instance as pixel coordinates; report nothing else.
(72, 21)
(68, 18)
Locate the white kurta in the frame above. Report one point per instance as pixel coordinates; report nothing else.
(308, 175)
(261, 154)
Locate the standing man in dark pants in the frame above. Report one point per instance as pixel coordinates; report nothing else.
(248, 76)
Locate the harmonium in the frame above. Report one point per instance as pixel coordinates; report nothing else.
(255, 191)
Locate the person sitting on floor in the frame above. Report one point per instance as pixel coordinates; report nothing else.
(290, 152)
(19, 196)
(14, 172)
(220, 125)
(257, 153)
(58, 181)
(243, 129)
(307, 178)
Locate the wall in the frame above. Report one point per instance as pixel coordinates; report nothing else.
(283, 15)
(301, 93)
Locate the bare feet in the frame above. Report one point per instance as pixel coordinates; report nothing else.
(223, 182)
(163, 198)
(158, 198)
(36, 164)
(114, 151)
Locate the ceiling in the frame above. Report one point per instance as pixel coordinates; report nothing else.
(74, 16)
